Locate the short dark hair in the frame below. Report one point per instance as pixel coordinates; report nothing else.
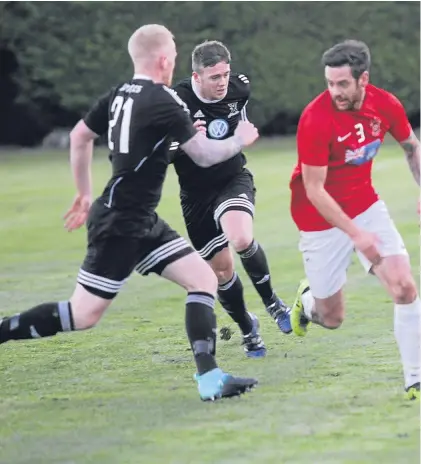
(354, 53)
(209, 53)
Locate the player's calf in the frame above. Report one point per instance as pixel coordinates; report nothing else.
(327, 312)
(230, 290)
(83, 311)
(256, 265)
(197, 277)
(44, 320)
(394, 273)
(331, 320)
(194, 275)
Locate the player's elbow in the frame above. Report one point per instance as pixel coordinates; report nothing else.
(200, 159)
(81, 134)
(199, 149)
(197, 155)
(202, 162)
(313, 192)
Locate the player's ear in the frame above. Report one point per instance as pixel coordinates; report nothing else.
(364, 78)
(163, 62)
(196, 77)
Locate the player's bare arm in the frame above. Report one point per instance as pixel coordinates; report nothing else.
(314, 178)
(81, 149)
(206, 152)
(411, 147)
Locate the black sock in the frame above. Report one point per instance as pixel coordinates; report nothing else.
(44, 320)
(201, 329)
(231, 297)
(256, 265)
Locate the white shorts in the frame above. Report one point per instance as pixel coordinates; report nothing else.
(327, 254)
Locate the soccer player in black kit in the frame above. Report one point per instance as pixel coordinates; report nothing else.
(124, 232)
(218, 201)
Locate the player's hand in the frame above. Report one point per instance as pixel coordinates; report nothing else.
(367, 243)
(200, 125)
(78, 212)
(246, 132)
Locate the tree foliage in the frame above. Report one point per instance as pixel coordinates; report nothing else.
(70, 52)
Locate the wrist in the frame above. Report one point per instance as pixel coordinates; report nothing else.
(238, 140)
(84, 192)
(354, 232)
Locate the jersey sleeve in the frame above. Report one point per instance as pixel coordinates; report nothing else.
(179, 88)
(244, 85)
(97, 117)
(173, 116)
(313, 139)
(184, 93)
(400, 128)
(244, 88)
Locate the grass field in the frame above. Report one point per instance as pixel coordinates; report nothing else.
(123, 393)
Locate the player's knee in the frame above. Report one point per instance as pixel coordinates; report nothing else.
(223, 268)
(241, 241)
(403, 289)
(87, 308)
(85, 318)
(224, 275)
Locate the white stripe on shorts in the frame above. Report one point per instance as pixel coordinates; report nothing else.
(231, 204)
(100, 283)
(210, 246)
(161, 253)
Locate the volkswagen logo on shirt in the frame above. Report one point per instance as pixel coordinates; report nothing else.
(218, 128)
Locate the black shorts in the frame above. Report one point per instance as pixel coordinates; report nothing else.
(202, 213)
(110, 260)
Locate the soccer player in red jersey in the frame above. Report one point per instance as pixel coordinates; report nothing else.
(336, 209)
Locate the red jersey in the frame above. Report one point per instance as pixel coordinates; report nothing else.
(346, 142)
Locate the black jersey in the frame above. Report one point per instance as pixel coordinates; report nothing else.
(141, 118)
(221, 119)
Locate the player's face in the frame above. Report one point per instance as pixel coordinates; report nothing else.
(347, 92)
(168, 63)
(213, 81)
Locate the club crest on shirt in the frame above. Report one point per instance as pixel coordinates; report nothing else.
(375, 125)
(233, 107)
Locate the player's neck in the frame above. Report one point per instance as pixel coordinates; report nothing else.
(359, 104)
(142, 76)
(146, 74)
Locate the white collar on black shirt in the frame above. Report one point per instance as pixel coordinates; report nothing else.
(196, 91)
(142, 76)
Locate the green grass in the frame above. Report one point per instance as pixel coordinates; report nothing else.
(123, 393)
